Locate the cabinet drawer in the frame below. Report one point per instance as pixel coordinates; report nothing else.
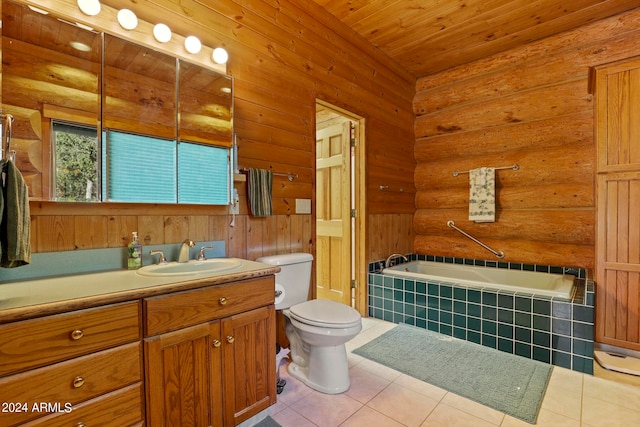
(38, 342)
(70, 382)
(116, 409)
(175, 311)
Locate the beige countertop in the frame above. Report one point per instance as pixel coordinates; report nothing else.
(33, 298)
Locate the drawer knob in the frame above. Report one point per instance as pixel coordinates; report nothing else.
(80, 424)
(77, 334)
(78, 382)
(223, 301)
(217, 343)
(230, 339)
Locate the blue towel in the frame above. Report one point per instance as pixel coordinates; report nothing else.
(260, 184)
(15, 220)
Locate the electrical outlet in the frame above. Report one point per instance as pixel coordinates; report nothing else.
(234, 208)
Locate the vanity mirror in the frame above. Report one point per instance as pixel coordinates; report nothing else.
(97, 117)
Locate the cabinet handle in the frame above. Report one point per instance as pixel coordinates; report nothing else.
(77, 334)
(223, 301)
(230, 339)
(217, 343)
(80, 424)
(78, 382)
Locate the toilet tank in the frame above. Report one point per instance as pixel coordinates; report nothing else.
(294, 277)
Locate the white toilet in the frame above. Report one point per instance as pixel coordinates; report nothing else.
(317, 329)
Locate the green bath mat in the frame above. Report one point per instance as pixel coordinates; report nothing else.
(506, 382)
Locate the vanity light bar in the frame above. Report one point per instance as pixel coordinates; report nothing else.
(105, 18)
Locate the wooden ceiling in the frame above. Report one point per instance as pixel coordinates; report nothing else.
(428, 36)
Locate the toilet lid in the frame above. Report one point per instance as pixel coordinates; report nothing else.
(325, 313)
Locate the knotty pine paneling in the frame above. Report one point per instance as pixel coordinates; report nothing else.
(530, 106)
(283, 56)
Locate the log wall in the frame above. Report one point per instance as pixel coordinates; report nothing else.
(283, 56)
(530, 106)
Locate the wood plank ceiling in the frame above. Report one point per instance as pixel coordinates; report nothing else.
(428, 36)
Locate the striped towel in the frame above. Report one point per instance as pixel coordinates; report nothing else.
(482, 195)
(260, 184)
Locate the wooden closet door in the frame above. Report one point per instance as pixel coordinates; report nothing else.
(618, 204)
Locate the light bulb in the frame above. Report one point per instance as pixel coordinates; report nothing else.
(162, 33)
(127, 19)
(220, 56)
(89, 7)
(192, 44)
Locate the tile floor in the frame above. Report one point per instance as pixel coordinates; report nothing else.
(381, 397)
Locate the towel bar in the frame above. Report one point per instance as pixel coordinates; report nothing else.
(290, 176)
(514, 167)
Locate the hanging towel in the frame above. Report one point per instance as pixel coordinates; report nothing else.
(15, 220)
(482, 195)
(260, 184)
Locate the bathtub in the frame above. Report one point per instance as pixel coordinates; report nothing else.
(552, 285)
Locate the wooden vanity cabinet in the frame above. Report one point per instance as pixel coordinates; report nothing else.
(82, 367)
(210, 354)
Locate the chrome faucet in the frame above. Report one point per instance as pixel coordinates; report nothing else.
(183, 256)
(201, 256)
(161, 259)
(389, 262)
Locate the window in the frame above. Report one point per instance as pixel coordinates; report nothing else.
(138, 168)
(76, 162)
(203, 174)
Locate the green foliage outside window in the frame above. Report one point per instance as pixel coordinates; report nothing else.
(76, 177)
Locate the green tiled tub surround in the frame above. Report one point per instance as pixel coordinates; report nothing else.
(551, 330)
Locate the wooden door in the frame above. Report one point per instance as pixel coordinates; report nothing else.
(183, 377)
(618, 204)
(249, 364)
(333, 212)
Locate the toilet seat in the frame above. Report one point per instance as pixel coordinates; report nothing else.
(325, 314)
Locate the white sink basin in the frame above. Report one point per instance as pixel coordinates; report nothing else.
(214, 265)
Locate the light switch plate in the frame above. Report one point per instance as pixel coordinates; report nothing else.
(303, 206)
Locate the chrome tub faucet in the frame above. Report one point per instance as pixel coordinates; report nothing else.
(389, 262)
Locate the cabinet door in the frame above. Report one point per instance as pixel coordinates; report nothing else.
(182, 373)
(249, 371)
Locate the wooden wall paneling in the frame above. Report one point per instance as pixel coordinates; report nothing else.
(281, 62)
(90, 231)
(255, 242)
(237, 242)
(55, 233)
(151, 230)
(528, 106)
(577, 129)
(119, 229)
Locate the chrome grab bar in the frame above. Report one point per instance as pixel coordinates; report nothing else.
(452, 224)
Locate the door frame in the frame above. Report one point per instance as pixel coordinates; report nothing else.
(359, 234)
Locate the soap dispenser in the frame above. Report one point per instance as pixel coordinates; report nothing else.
(135, 252)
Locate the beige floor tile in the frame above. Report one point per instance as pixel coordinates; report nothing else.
(599, 413)
(625, 395)
(545, 419)
(294, 389)
(448, 416)
(566, 379)
(563, 401)
(367, 417)
(326, 410)
(403, 405)
(473, 408)
(290, 418)
(619, 377)
(435, 393)
(365, 385)
(379, 370)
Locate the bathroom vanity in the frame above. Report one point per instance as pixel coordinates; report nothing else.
(181, 350)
